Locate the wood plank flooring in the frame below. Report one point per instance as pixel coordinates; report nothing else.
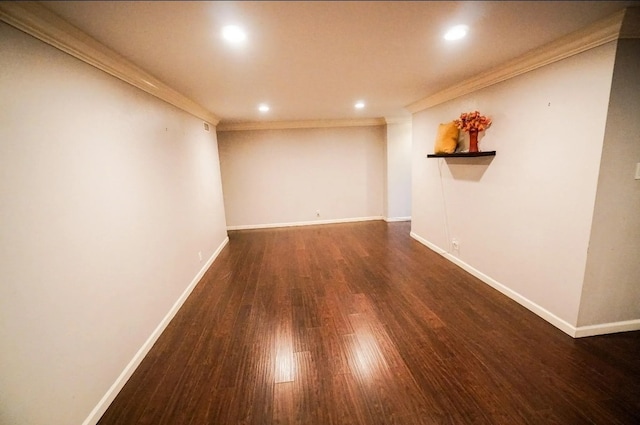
(359, 324)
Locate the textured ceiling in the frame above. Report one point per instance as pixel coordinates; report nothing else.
(313, 60)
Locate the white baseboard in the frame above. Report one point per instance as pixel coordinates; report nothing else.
(525, 302)
(394, 219)
(111, 394)
(428, 244)
(303, 223)
(607, 328)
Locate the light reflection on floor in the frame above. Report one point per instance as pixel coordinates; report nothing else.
(285, 366)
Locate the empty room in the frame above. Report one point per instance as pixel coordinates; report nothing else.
(332, 212)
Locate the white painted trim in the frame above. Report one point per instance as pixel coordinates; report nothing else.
(282, 125)
(573, 331)
(303, 223)
(112, 392)
(428, 244)
(592, 36)
(394, 219)
(397, 120)
(525, 302)
(607, 328)
(41, 23)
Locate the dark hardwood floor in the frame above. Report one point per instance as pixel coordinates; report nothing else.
(360, 324)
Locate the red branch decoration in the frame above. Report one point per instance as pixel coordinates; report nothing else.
(470, 121)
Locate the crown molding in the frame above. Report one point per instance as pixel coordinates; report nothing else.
(592, 36)
(39, 22)
(397, 120)
(282, 125)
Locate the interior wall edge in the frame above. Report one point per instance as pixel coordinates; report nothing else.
(115, 388)
(631, 24)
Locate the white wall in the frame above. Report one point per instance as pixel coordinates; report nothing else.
(398, 170)
(272, 177)
(106, 197)
(523, 218)
(611, 290)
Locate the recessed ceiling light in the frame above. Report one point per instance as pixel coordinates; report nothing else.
(234, 34)
(456, 33)
(359, 105)
(263, 107)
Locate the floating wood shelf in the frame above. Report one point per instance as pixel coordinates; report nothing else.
(461, 154)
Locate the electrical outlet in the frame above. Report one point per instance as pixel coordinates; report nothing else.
(206, 126)
(455, 245)
(200, 255)
(638, 171)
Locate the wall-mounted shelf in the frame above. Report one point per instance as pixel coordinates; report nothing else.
(461, 154)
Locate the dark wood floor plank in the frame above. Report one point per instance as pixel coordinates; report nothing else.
(360, 324)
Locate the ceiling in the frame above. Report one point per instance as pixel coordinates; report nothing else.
(314, 60)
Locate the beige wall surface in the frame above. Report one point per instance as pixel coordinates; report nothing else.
(523, 217)
(398, 171)
(107, 196)
(272, 177)
(611, 290)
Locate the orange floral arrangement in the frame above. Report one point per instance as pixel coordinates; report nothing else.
(472, 121)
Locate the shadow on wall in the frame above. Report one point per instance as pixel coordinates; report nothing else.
(471, 169)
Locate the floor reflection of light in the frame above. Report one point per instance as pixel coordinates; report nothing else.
(285, 367)
(367, 355)
(363, 363)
